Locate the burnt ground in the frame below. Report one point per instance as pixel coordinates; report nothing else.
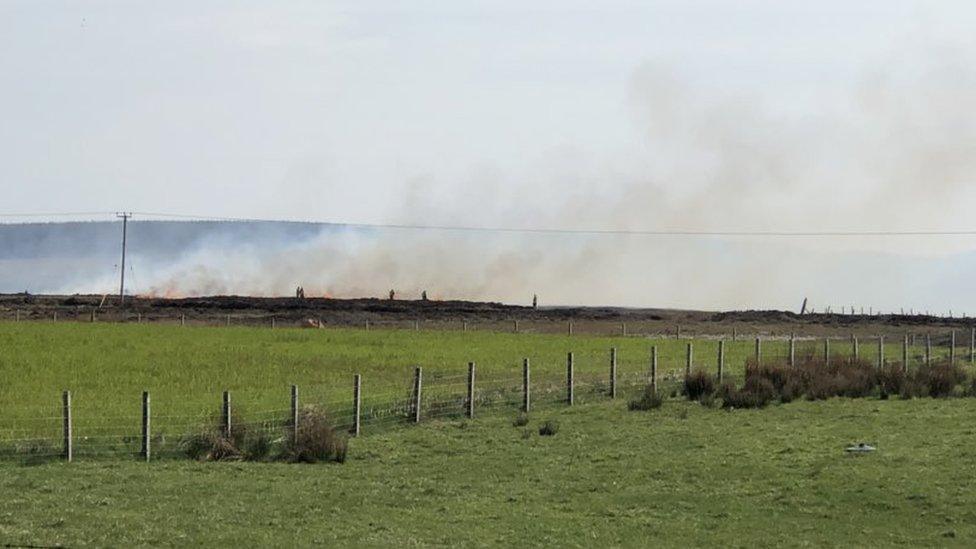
(220, 310)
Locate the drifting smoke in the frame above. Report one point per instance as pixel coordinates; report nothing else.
(897, 152)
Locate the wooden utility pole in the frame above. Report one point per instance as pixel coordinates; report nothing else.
(125, 223)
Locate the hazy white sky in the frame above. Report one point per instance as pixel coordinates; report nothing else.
(330, 111)
(744, 115)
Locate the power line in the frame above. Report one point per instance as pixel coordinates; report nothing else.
(52, 214)
(613, 232)
(544, 230)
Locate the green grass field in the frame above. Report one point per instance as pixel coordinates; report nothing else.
(681, 475)
(107, 366)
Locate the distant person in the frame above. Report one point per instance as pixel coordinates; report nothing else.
(392, 295)
(423, 295)
(535, 301)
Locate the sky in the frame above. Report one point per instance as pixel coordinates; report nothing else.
(747, 115)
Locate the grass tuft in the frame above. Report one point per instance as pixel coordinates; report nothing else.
(649, 400)
(549, 428)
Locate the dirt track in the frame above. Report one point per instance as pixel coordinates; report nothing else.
(460, 315)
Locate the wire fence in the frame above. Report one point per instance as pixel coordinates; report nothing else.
(530, 321)
(77, 429)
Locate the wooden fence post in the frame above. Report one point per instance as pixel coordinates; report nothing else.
(416, 325)
(688, 360)
(623, 329)
(294, 413)
(226, 414)
(357, 403)
(55, 316)
(66, 428)
(928, 349)
(525, 385)
(854, 348)
(654, 369)
(417, 387)
(569, 378)
(952, 347)
(721, 359)
(972, 346)
(569, 327)
(826, 352)
(613, 372)
(228, 321)
(182, 320)
(18, 315)
(792, 350)
(733, 334)
(464, 325)
(146, 450)
(881, 357)
(92, 317)
(470, 390)
(758, 351)
(677, 332)
(515, 326)
(904, 354)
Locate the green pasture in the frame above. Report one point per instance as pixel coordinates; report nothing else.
(185, 369)
(684, 475)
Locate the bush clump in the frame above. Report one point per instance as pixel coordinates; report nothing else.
(521, 420)
(757, 392)
(316, 439)
(211, 443)
(549, 428)
(698, 385)
(940, 379)
(891, 381)
(649, 400)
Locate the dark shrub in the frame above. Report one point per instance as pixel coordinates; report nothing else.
(856, 382)
(891, 380)
(258, 446)
(821, 388)
(777, 375)
(912, 388)
(316, 439)
(757, 392)
(791, 391)
(763, 390)
(648, 400)
(698, 384)
(521, 420)
(940, 380)
(549, 428)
